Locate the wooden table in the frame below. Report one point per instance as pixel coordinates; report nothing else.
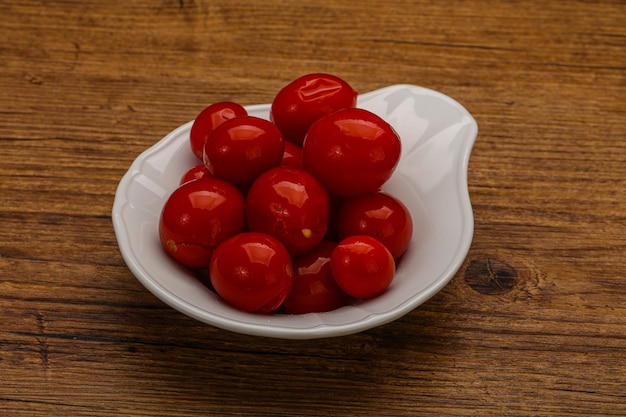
(534, 322)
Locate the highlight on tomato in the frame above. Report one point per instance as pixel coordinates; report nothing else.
(196, 172)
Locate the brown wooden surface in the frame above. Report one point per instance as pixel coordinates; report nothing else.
(533, 324)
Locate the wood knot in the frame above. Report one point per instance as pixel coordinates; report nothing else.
(491, 276)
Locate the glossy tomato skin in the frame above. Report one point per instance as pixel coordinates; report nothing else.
(291, 205)
(252, 272)
(314, 289)
(242, 148)
(208, 119)
(379, 215)
(362, 266)
(306, 99)
(351, 151)
(196, 172)
(198, 216)
(292, 155)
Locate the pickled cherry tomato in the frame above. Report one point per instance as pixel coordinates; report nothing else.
(291, 205)
(252, 272)
(292, 155)
(379, 215)
(196, 172)
(351, 151)
(198, 216)
(242, 148)
(306, 99)
(314, 289)
(362, 266)
(208, 119)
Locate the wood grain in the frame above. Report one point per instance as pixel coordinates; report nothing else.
(534, 322)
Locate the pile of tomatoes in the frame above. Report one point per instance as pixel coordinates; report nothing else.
(287, 214)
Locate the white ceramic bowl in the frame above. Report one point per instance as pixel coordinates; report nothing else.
(431, 179)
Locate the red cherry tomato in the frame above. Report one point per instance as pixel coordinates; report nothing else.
(208, 119)
(378, 215)
(314, 289)
(306, 99)
(362, 266)
(351, 151)
(198, 216)
(292, 156)
(252, 272)
(291, 205)
(195, 173)
(240, 149)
